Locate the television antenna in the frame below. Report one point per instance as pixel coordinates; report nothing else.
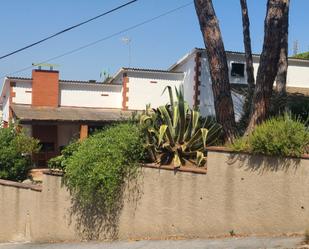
(40, 65)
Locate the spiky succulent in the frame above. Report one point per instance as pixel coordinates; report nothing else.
(175, 134)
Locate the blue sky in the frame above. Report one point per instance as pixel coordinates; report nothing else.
(155, 45)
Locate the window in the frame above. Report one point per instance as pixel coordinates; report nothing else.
(238, 70)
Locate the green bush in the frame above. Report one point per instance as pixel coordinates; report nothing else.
(60, 162)
(96, 172)
(15, 153)
(304, 55)
(299, 107)
(281, 136)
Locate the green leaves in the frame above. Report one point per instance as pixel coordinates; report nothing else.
(162, 133)
(281, 136)
(15, 153)
(99, 166)
(178, 134)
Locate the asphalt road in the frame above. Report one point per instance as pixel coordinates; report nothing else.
(248, 243)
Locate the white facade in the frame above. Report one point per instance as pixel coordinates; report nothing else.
(5, 104)
(90, 95)
(298, 76)
(23, 92)
(189, 72)
(147, 88)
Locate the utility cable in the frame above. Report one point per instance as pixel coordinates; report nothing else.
(67, 29)
(105, 38)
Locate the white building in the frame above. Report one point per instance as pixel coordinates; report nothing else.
(55, 110)
(197, 81)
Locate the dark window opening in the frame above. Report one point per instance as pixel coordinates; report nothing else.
(238, 70)
(47, 147)
(94, 128)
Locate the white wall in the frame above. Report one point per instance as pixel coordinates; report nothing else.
(298, 71)
(298, 74)
(5, 106)
(23, 94)
(143, 92)
(235, 58)
(188, 81)
(90, 95)
(206, 96)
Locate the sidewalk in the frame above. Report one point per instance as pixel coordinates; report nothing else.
(231, 243)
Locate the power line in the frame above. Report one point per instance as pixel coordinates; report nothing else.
(104, 38)
(66, 30)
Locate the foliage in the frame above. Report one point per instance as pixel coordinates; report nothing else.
(176, 134)
(97, 170)
(15, 153)
(280, 136)
(304, 55)
(299, 107)
(60, 162)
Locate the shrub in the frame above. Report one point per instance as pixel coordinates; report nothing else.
(299, 107)
(176, 134)
(60, 162)
(97, 170)
(281, 136)
(15, 153)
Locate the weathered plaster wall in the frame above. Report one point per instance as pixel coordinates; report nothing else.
(23, 92)
(90, 95)
(250, 195)
(147, 88)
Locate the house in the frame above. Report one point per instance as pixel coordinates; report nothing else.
(56, 111)
(197, 81)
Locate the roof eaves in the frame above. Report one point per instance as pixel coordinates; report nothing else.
(18, 78)
(80, 81)
(183, 59)
(257, 55)
(147, 70)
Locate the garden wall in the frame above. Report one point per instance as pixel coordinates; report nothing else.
(249, 195)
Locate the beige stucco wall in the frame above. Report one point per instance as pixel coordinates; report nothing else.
(250, 195)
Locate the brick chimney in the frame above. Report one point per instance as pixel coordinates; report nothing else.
(45, 88)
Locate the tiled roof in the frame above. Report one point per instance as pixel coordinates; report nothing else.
(81, 81)
(61, 81)
(68, 114)
(149, 70)
(18, 78)
(254, 54)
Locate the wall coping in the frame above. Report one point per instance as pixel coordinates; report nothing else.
(228, 150)
(53, 172)
(188, 169)
(21, 185)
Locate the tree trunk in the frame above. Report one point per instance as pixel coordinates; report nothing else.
(247, 45)
(249, 63)
(283, 61)
(217, 66)
(268, 62)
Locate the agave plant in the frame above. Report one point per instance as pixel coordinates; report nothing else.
(176, 134)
